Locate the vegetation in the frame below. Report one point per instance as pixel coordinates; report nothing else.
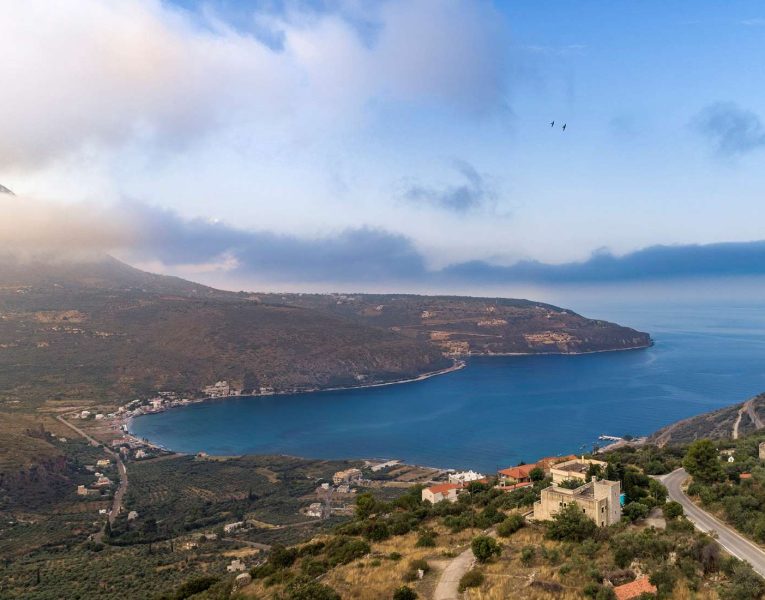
(485, 548)
(571, 525)
(471, 579)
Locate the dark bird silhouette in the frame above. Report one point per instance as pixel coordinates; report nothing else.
(564, 127)
(552, 123)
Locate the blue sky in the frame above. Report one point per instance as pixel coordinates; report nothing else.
(359, 144)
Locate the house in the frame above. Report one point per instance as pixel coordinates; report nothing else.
(235, 566)
(104, 462)
(745, 476)
(762, 450)
(598, 499)
(635, 589)
(139, 454)
(345, 489)
(83, 491)
(513, 475)
(231, 527)
(464, 477)
(132, 515)
(547, 462)
(574, 469)
(346, 476)
(314, 510)
(441, 492)
(102, 481)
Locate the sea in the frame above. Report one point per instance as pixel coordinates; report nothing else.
(499, 411)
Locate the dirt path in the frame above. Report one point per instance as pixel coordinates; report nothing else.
(447, 587)
(448, 584)
(748, 409)
(741, 410)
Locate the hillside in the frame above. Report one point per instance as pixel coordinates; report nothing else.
(730, 422)
(477, 326)
(100, 329)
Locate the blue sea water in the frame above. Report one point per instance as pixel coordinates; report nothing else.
(499, 410)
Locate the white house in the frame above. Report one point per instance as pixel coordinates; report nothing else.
(441, 492)
(464, 477)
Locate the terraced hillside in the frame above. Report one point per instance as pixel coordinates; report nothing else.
(465, 325)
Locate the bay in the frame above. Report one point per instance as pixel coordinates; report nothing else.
(499, 411)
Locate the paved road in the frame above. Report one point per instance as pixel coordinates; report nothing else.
(120, 493)
(728, 538)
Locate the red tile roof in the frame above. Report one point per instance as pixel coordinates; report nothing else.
(519, 472)
(443, 487)
(631, 590)
(745, 476)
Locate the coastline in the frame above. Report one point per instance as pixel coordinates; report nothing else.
(458, 364)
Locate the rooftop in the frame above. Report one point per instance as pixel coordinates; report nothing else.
(631, 590)
(443, 487)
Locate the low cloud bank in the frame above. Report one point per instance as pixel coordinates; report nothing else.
(148, 235)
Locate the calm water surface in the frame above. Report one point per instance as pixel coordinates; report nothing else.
(501, 410)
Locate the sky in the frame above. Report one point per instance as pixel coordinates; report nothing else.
(401, 145)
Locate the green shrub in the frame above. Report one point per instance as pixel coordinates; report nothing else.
(672, 510)
(194, 586)
(635, 511)
(471, 579)
(376, 531)
(404, 593)
(282, 557)
(305, 589)
(426, 539)
(314, 568)
(485, 548)
(528, 553)
(341, 550)
(571, 525)
(510, 525)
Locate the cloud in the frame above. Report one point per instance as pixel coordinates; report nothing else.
(732, 130)
(654, 263)
(94, 74)
(361, 257)
(473, 194)
(159, 237)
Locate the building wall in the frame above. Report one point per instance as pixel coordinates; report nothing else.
(603, 508)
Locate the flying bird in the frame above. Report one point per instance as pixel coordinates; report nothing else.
(564, 127)
(552, 123)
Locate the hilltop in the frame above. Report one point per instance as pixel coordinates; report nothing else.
(99, 329)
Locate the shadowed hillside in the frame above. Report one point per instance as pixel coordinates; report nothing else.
(730, 422)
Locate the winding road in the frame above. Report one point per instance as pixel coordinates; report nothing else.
(726, 536)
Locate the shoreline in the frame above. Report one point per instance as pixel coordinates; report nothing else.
(125, 423)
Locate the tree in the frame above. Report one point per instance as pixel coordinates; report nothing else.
(672, 510)
(745, 584)
(702, 462)
(485, 548)
(536, 474)
(365, 505)
(635, 511)
(571, 484)
(510, 525)
(571, 525)
(404, 593)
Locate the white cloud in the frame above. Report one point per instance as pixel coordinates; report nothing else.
(100, 74)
